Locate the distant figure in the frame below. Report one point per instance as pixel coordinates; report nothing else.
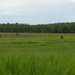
(0, 35)
(17, 34)
(61, 37)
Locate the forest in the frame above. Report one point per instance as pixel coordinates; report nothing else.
(68, 27)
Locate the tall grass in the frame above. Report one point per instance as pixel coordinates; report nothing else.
(36, 65)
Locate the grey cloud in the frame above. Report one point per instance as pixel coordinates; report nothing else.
(38, 11)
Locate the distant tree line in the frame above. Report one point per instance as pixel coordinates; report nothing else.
(40, 28)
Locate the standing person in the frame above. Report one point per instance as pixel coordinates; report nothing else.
(61, 37)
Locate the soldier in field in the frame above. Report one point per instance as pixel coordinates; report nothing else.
(0, 35)
(17, 34)
(61, 37)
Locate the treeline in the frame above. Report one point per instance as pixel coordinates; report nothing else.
(40, 28)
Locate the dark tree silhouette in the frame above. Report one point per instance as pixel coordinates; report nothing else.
(39, 28)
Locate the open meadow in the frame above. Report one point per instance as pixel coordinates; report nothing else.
(37, 54)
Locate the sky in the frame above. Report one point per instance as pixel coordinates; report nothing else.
(37, 11)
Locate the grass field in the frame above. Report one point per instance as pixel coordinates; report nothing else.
(37, 54)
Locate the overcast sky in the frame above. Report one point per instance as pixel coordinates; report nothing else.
(37, 11)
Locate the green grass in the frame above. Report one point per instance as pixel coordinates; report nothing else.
(37, 54)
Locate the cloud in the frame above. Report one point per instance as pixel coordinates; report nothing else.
(72, 0)
(37, 10)
(29, 6)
